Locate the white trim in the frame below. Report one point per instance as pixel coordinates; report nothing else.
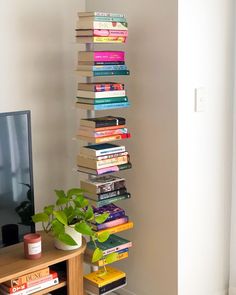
(232, 291)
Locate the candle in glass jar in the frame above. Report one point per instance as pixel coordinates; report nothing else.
(32, 246)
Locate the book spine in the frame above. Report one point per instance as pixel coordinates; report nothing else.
(113, 137)
(110, 25)
(111, 194)
(103, 133)
(109, 100)
(35, 288)
(109, 68)
(109, 55)
(28, 277)
(120, 256)
(116, 229)
(117, 39)
(112, 200)
(117, 248)
(13, 290)
(108, 18)
(102, 63)
(104, 163)
(101, 94)
(111, 223)
(108, 14)
(112, 286)
(111, 73)
(111, 156)
(108, 87)
(110, 186)
(110, 33)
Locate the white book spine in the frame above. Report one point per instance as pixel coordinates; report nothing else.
(102, 94)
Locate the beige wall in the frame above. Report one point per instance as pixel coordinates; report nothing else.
(152, 119)
(37, 57)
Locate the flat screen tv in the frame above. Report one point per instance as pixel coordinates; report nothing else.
(16, 177)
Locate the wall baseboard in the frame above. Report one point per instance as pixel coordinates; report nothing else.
(232, 291)
(123, 291)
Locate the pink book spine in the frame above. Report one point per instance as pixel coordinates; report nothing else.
(109, 55)
(110, 33)
(112, 223)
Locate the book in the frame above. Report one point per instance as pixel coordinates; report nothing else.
(100, 63)
(32, 289)
(113, 244)
(103, 73)
(29, 284)
(107, 170)
(109, 156)
(104, 138)
(101, 203)
(102, 121)
(120, 255)
(102, 33)
(94, 164)
(28, 277)
(102, 68)
(96, 13)
(111, 223)
(117, 39)
(107, 289)
(113, 210)
(94, 133)
(84, 24)
(106, 195)
(94, 101)
(101, 56)
(99, 278)
(91, 129)
(117, 228)
(100, 87)
(96, 150)
(103, 184)
(102, 18)
(101, 94)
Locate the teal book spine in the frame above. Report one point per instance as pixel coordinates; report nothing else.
(107, 106)
(101, 203)
(110, 19)
(104, 100)
(111, 73)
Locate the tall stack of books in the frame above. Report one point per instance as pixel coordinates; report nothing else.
(30, 283)
(99, 157)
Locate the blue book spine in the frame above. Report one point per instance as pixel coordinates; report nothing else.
(107, 106)
(111, 73)
(109, 68)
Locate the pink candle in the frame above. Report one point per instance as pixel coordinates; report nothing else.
(32, 246)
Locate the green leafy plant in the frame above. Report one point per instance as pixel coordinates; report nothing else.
(73, 209)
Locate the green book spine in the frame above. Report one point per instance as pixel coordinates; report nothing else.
(104, 100)
(111, 73)
(113, 200)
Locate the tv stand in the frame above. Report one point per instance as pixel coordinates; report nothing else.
(13, 264)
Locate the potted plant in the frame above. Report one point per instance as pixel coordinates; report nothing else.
(72, 215)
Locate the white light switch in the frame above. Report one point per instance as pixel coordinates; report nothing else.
(200, 99)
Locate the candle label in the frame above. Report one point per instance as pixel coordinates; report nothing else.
(34, 248)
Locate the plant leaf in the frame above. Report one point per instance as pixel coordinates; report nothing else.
(103, 236)
(97, 255)
(75, 192)
(65, 238)
(84, 228)
(110, 258)
(101, 218)
(57, 227)
(60, 193)
(49, 209)
(61, 216)
(62, 201)
(40, 217)
(89, 213)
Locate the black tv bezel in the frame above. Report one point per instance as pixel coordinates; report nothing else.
(30, 154)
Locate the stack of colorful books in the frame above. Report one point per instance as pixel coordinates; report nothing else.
(101, 63)
(101, 27)
(30, 283)
(100, 96)
(98, 283)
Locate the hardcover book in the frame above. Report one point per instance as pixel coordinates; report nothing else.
(102, 18)
(113, 244)
(106, 195)
(98, 13)
(103, 73)
(120, 255)
(102, 33)
(102, 121)
(108, 100)
(111, 223)
(103, 184)
(96, 150)
(101, 25)
(107, 289)
(117, 39)
(100, 94)
(101, 56)
(99, 278)
(92, 133)
(113, 210)
(100, 87)
(104, 139)
(118, 228)
(106, 170)
(101, 203)
(102, 68)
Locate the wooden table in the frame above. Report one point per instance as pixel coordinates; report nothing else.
(13, 264)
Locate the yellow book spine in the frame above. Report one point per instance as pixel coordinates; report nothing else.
(118, 228)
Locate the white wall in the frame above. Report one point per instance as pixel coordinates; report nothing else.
(152, 119)
(232, 282)
(37, 57)
(205, 146)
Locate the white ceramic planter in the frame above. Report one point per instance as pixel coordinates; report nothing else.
(74, 234)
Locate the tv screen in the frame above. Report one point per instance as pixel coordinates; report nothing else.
(16, 177)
